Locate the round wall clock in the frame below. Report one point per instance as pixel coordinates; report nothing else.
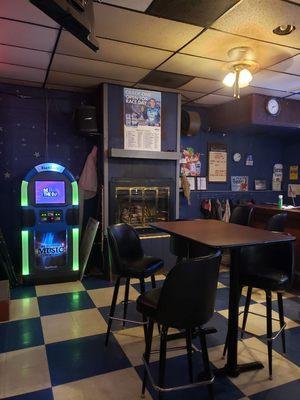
(237, 157)
(273, 106)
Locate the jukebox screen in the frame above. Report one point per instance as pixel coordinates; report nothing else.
(50, 192)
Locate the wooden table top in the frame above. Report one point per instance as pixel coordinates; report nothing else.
(220, 234)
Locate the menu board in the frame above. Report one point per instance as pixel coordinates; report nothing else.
(142, 120)
(217, 163)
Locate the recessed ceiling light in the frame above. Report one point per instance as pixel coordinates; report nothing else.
(284, 29)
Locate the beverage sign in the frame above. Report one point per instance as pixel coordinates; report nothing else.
(142, 119)
(50, 250)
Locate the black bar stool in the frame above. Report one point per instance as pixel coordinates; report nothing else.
(270, 268)
(241, 215)
(185, 301)
(127, 260)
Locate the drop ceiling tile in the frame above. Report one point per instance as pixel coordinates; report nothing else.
(191, 95)
(165, 79)
(23, 10)
(139, 28)
(225, 91)
(27, 35)
(202, 85)
(212, 99)
(277, 81)
(23, 73)
(294, 97)
(113, 51)
(21, 56)
(200, 12)
(265, 54)
(154, 87)
(291, 66)
(73, 80)
(98, 69)
(194, 66)
(258, 18)
(20, 82)
(139, 5)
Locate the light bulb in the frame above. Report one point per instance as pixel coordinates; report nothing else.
(245, 77)
(229, 79)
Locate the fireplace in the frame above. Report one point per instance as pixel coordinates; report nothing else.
(140, 202)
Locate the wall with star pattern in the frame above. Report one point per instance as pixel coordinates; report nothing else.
(36, 126)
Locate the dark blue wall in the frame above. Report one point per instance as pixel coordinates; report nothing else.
(266, 150)
(24, 142)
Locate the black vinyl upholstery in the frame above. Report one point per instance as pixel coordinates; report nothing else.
(187, 297)
(241, 215)
(277, 222)
(127, 255)
(267, 267)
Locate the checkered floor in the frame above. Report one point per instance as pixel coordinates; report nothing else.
(53, 348)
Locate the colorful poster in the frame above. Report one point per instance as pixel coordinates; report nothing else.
(142, 120)
(293, 172)
(239, 183)
(50, 250)
(190, 164)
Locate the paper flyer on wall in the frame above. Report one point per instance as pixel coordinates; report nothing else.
(142, 120)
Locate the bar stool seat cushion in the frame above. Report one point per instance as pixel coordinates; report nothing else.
(147, 303)
(266, 278)
(141, 267)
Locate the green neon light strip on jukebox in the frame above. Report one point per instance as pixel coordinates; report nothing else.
(25, 252)
(24, 195)
(75, 200)
(75, 232)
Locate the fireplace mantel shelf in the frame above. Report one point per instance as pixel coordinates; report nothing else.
(151, 155)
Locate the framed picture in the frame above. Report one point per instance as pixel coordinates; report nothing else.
(191, 180)
(217, 163)
(239, 183)
(260, 184)
(201, 183)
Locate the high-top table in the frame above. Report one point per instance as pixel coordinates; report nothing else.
(222, 235)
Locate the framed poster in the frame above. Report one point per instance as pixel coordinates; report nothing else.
(142, 119)
(260, 184)
(190, 164)
(239, 183)
(217, 163)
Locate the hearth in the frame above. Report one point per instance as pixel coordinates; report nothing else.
(140, 202)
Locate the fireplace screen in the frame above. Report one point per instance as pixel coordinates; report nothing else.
(141, 205)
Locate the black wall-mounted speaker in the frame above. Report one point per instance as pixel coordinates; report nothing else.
(86, 120)
(190, 122)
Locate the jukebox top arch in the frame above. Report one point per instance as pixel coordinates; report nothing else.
(43, 170)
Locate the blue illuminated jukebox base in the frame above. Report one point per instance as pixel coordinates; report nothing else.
(50, 225)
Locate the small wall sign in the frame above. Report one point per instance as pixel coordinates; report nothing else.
(249, 160)
(293, 172)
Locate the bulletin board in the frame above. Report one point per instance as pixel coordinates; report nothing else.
(217, 163)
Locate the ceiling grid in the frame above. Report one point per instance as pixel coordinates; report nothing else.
(145, 43)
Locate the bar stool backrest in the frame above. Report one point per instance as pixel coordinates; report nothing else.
(124, 245)
(276, 256)
(277, 222)
(188, 294)
(241, 215)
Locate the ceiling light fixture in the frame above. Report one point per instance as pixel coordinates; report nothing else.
(240, 69)
(284, 29)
